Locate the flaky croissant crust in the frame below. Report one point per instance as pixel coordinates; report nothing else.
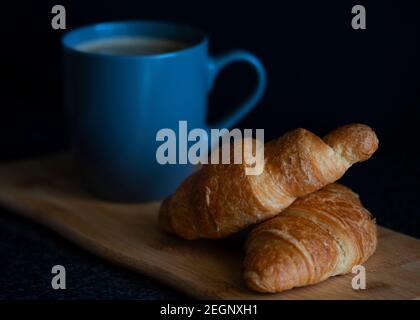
(219, 200)
(321, 235)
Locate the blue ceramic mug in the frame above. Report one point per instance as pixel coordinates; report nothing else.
(117, 102)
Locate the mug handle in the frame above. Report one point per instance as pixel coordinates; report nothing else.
(216, 64)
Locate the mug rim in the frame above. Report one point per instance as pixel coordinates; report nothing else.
(72, 38)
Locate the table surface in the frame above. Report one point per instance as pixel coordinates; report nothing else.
(33, 250)
(28, 251)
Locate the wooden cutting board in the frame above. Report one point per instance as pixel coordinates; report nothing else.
(49, 191)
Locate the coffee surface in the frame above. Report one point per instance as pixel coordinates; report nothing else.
(131, 46)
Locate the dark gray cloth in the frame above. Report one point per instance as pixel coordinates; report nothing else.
(28, 252)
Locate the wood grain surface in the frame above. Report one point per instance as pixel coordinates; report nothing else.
(49, 191)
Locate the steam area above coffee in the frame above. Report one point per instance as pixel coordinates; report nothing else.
(131, 45)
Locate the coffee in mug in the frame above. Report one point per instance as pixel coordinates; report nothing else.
(131, 45)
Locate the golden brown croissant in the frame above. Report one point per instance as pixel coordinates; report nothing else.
(321, 235)
(221, 199)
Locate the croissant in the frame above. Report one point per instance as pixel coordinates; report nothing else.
(221, 199)
(321, 235)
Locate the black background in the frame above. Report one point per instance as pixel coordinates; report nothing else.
(321, 74)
